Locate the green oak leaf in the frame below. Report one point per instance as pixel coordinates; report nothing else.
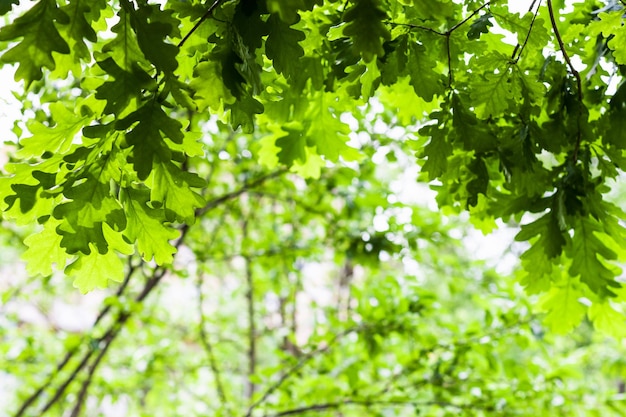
(95, 270)
(40, 38)
(55, 139)
(152, 25)
(115, 241)
(535, 40)
(611, 25)
(587, 251)
(7, 5)
(551, 239)
(82, 15)
(326, 131)
(283, 48)
(124, 48)
(208, 85)
(242, 112)
(44, 251)
(606, 319)
(436, 151)
(480, 26)
(288, 10)
(146, 137)
(426, 82)
(564, 310)
(126, 85)
(145, 225)
(292, 144)
(171, 188)
(27, 184)
(91, 202)
(364, 24)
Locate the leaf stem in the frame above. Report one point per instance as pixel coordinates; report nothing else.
(447, 34)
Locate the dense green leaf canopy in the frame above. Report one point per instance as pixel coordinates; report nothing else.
(512, 116)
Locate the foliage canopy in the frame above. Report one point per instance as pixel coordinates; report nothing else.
(147, 120)
(511, 129)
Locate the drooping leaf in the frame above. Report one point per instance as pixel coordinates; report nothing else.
(283, 48)
(146, 227)
(125, 86)
(479, 26)
(151, 126)
(95, 270)
(209, 87)
(39, 39)
(44, 251)
(364, 24)
(564, 308)
(152, 26)
(589, 258)
(172, 189)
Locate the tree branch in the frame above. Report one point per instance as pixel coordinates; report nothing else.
(73, 351)
(234, 194)
(110, 334)
(447, 34)
(299, 365)
(82, 395)
(517, 52)
(371, 403)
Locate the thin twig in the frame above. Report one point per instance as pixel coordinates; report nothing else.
(204, 337)
(208, 347)
(204, 17)
(234, 194)
(520, 48)
(252, 332)
(299, 365)
(82, 395)
(372, 403)
(131, 269)
(462, 22)
(576, 75)
(73, 351)
(447, 34)
(414, 26)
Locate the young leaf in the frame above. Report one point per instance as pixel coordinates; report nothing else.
(44, 251)
(95, 270)
(145, 225)
(563, 307)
